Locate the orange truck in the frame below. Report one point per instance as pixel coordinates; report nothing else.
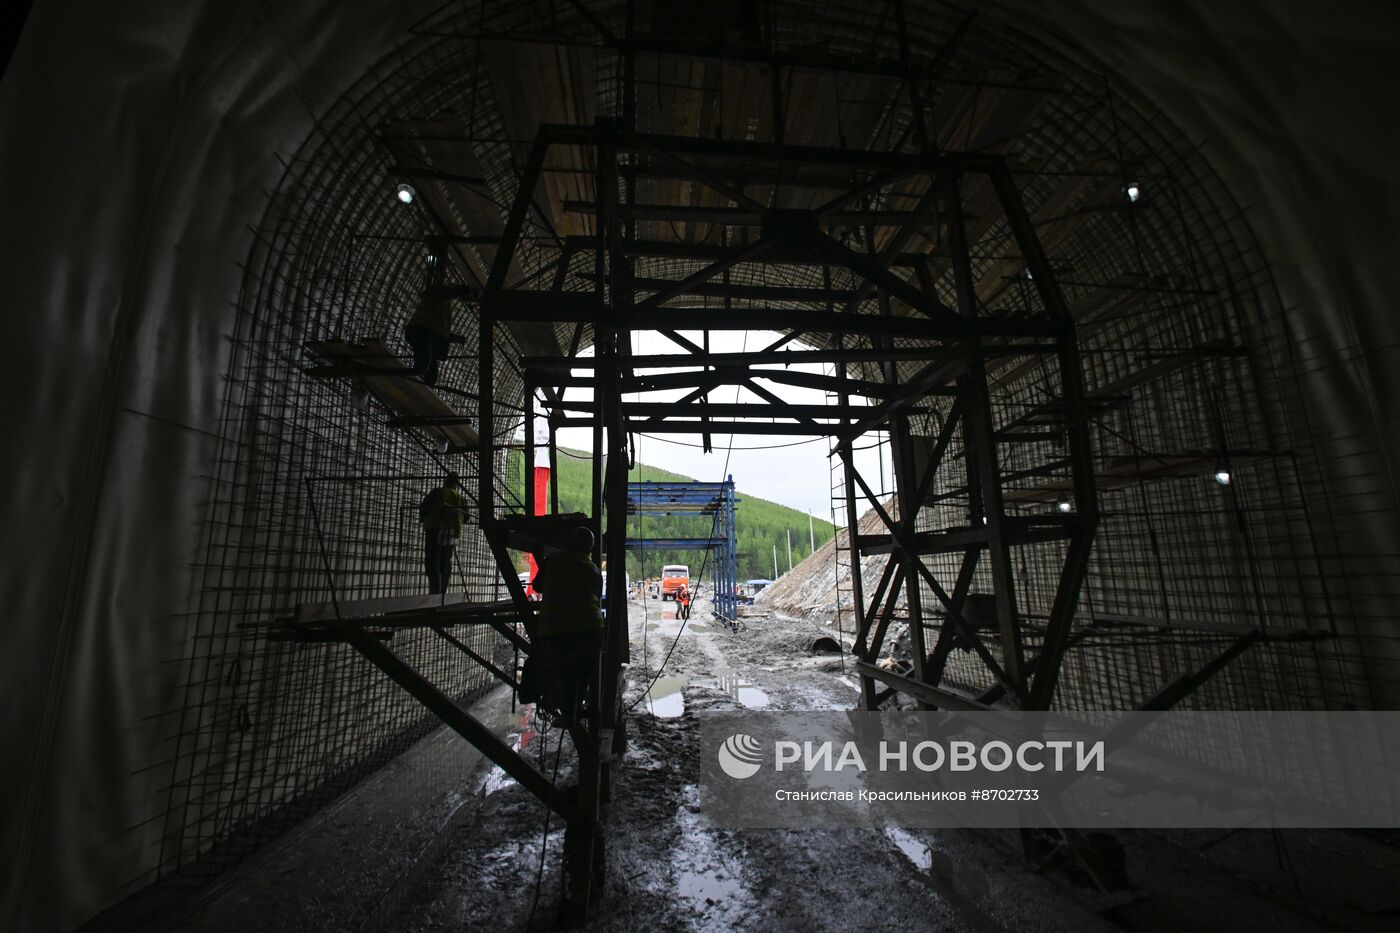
(673, 577)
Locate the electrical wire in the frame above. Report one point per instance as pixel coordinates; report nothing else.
(665, 440)
(714, 522)
(810, 440)
(646, 608)
(544, 841)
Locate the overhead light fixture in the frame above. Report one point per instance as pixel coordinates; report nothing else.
(1029, 275)
(405, 192)
(1064, 503)
(1132, 190)
(1222, 472)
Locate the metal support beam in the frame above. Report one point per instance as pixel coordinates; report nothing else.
(462, 722)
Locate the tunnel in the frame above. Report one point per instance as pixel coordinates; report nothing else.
(1131, 263)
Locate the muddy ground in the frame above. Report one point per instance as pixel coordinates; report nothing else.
(669, 870)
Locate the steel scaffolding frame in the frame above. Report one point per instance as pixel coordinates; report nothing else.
(947, 351)
(951, 346)
(695, 499)
(1184, 353)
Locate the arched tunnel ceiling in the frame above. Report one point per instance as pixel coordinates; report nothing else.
(140, 143)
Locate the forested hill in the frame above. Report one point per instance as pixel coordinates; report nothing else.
(761, 525)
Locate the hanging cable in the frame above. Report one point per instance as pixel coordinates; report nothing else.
(664, 440)
(810, 440)
(544, 841)
(714, 522)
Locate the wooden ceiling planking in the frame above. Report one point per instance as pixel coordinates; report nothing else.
(1005, 114)
(982, 117)
(572, 69)
(807, 98)
(702, 97)
(665, 101)
(977, 118)
(746, 101)
(709, 77)
(1056, 219)
(461, 208)
(694, 117)
(534, 84)
(863, 100)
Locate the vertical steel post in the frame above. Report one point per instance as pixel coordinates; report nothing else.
(527, 469)
(617, 351)
(1086, 506)
(486, 366)
(553, 470)
(863, 619)
(981, 439)
(486, 403)
(908, 504)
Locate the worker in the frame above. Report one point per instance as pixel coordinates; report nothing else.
(429, 329)
(569, 633)
(683, 602)
(564, 651)
(442, 513)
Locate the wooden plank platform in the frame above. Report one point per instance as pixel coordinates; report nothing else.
(360, 608)
(322, 620)
(494, 614)
(1122, 472)
(397, 387)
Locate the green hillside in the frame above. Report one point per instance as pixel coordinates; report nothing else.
(761, 525)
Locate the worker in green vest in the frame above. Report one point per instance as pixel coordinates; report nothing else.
(442, 513)
(569, 629)
(429, 329)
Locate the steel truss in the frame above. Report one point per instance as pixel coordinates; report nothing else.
(897, 349)
(901, 355)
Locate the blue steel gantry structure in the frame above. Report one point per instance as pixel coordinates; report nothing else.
(715, 501)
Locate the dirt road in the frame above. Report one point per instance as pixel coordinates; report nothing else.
(668, 869)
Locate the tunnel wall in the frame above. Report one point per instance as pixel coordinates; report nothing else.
(139, 144)
(1287, 104)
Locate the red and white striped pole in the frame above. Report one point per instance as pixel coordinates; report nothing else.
(541, 481)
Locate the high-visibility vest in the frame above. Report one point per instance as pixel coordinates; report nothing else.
(572, 587)
(444, 508)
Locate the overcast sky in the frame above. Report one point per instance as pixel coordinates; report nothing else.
(793, 471)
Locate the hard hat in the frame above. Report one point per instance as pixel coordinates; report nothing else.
(581, 539)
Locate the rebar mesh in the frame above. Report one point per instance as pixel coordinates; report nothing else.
(1176, 308)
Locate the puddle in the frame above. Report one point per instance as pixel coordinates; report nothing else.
(665, 700)
(918, 853)
(708, 877)
(495, 780)
(521, 734)
(749, 696)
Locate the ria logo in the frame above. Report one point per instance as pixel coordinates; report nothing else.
(739, 756)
